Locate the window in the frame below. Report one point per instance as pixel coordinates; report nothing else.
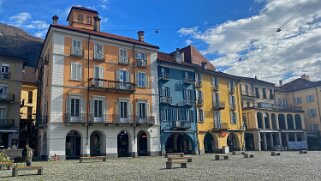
(164, 114)
(181, 115)
(141, 79)
(188, 94)
(231, 85)
(98, 108)
(3, 89)
(257, 94)
(76, 71)
(314, 127)
(123, 56)
(198, 77)
(30, 97)
(89, 19)
(310, 98)
(29, 113)
(246, 90)
(3, 113)
(312, 113)
(4, 69)
(232, 100)
(264, 93)
(200, 115)
(199, 95)
(80, 18)
(214, 80)
(98, 52)
(76, 49)
(141, 56)
(123, 77)
(271, 94)
(165, 92)
(217, 119)
(216, 99)
(142, 110)
(123, 109)
(75, 107)
(233, 117)
(298, 100)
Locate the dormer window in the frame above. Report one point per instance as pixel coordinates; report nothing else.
(89, 19)
(179, 57)
(80, 18)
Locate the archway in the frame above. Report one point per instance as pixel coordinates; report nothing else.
(142, 145)
(123, 144)
(97, 146)
(274, 123)
(267, 120)
(209, 143)
(179, 142)
(281, 118)
(289, 119)
(298, 123)
(73, 142)
(233, 142)
(249, 141)
(259, 120)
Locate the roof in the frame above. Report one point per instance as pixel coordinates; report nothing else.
(255, 80)
(11, 57)
(298, 84)
(29, 75)
(105, 35)
(81, 9)
(161, 56)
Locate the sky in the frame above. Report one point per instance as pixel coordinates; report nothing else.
(239, 37)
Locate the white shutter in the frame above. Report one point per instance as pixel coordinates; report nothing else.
(148, 110)
(72, 71)
(101, 72)
(128, 76)
(79, 72)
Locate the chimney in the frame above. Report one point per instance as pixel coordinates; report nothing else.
(97, 23)
(55, 19)
(280, 83)
(141, 35)
(305, 76)
(204, 65)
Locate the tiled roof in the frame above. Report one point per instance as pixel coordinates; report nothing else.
(10, 56)
(105, 35)
(82, 9)
(161, 56)
(29, 75)
(249, 79)
(299, 84)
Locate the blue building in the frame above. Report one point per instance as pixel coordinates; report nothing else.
(177, 103)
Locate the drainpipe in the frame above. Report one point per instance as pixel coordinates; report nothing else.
(196, 122)
(134, 115)
(88, 104)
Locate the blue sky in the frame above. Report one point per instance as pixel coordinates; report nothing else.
(225, 31)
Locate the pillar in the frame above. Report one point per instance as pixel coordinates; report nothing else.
(295, 137)
(271, 141)
(257, 141)
(264, 141)
(287, 138)
(280, 139)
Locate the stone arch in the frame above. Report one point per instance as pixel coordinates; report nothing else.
(298, 121)
(143, 143)
(210, 143)
(259, 120)
(274, 122)
(123, 144)
(73, 145)
(281, 119)
(233, 142)
(180, 142)
(289, 119)
(267, 120)
(97, 143)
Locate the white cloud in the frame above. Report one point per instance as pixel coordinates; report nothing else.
(37, 24)
(1, 3)
(188, 42)
(103, 4)
(20, 18)
(103, 19)
(41, 34)
(264, 52)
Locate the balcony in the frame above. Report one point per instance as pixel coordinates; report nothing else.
(4, 75)
(181, 124)
(42, 121)
(165, 100)
(123, 60)
(164, 76)
(98, 56)
(219, 105)
(215, 87)
(198, 84)
(81, 118)
(116, 119)
(7, 98)
(188, 102)
(231, 90)
(76, 52)
(220, 126)
(289, 108)
(200, 102)
(188, 80)
(141, 63)
(6, 123)
(233, 107)
(111, 86)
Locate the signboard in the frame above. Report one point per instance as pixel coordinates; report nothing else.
(222, 134)
(298, 145)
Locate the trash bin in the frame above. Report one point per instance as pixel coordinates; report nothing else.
(226, 149)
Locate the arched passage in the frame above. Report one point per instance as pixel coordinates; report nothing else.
(97, 144)
(298, 122)
(289, 119)
(142, 144)
(179, 142)
(259, 120)
(73, 142)
(274, 123)
(267, 121)
(123, 144)
(233, 142)
(281, 118)
(210, 144)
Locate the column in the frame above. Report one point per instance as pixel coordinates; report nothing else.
(286, 122)
(271, 141)
(264, 141)
(295, 137)
(287, 139)
(294, 126)
(280, 139)
(257, 141)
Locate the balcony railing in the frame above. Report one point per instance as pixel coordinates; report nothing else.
(198, 84)
(181, 124)
(4, 75)
(76, 52)
(231, 90)
(247, 94)
(215, 87)
(220, 126)
(7, 98)
(141, 63)
(112, 86)
(98, 56)
(188, 102)
(123, 60)
(188, 80)
(164, 76)
(233, 106)
(288, 108)
(6, 123)
(219, 105)
(200, 102)
(165, 100)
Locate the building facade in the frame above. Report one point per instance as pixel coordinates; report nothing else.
(98, 91)
(270, 126)
(303, 92)
(10, 86)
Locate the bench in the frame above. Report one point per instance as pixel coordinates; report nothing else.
(81, 159)
(238, 152)
(16, 169)
(6, 164)
(176, 160)
(174, 155)
(221, 157)
(303, 152)
(248, 155)
(273, 153)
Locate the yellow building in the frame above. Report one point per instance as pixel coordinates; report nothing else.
(306, 94)
(10, 85)
(220, 125)
(28, 107)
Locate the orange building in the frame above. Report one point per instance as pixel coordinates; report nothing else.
(96, 95)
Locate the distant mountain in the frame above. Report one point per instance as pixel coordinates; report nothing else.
(18, 43)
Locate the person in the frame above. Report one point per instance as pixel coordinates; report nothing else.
(27, 154)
